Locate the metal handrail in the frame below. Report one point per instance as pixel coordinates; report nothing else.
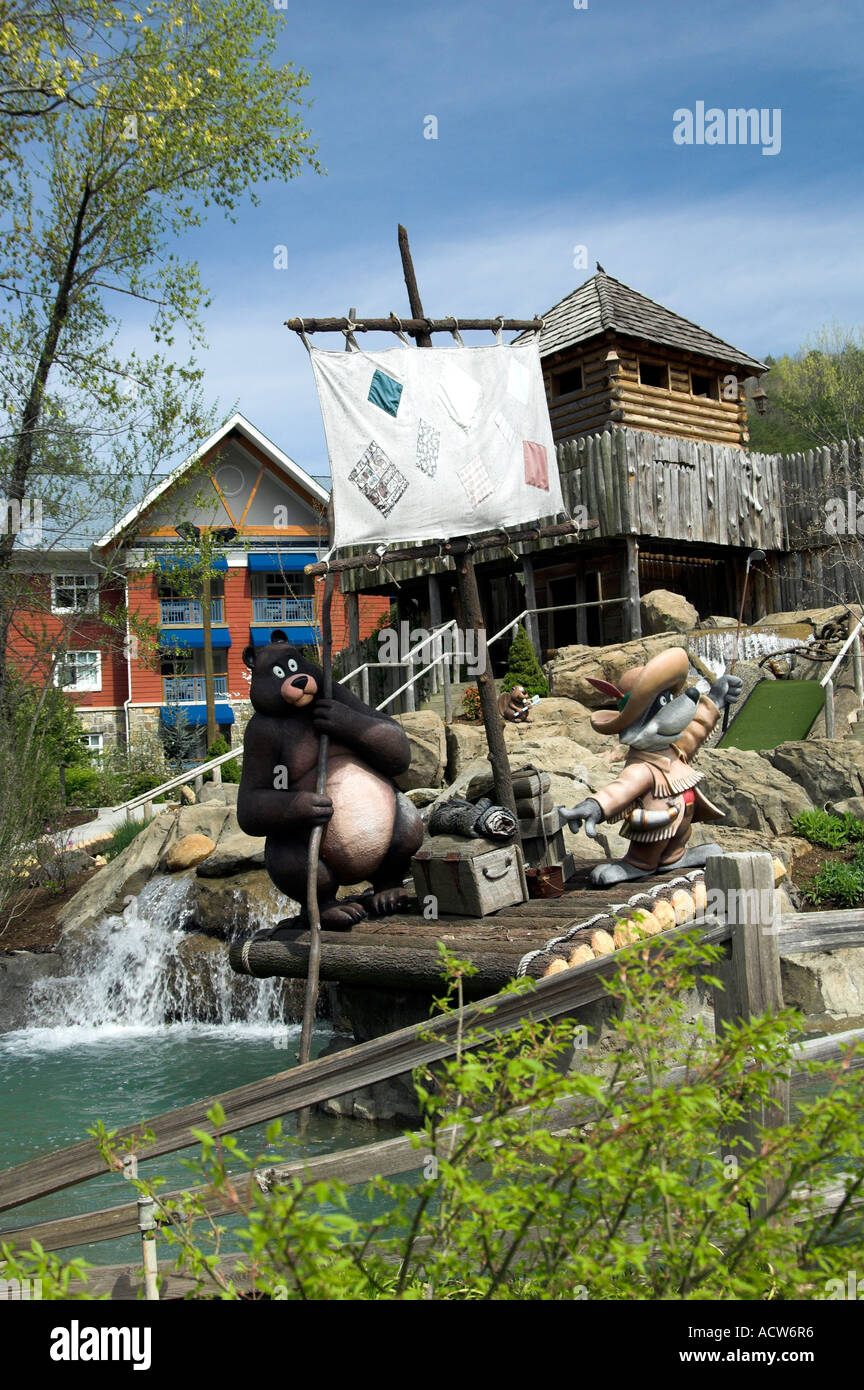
(183, 779)
(436, 632)
(842, 652)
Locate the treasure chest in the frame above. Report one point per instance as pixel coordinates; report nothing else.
(469, 878)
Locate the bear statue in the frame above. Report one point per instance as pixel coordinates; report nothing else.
(372, 829)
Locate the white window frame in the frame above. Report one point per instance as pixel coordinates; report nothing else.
(95, 749)
(77, 686)
(89, 582)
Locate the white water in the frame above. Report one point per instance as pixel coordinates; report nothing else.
(717, 647)
(145, 974)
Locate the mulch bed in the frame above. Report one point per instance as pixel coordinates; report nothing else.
(34, 913)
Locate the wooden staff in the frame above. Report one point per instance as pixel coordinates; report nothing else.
(310, 999)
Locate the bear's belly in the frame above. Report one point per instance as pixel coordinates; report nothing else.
(359, 832)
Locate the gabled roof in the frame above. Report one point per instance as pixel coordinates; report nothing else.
(604, 303)
(237, 424)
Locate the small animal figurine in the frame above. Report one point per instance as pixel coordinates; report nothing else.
(657, 793)
(514, 705)
(372, 828)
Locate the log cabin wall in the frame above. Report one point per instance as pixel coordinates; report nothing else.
(592, 385)
(696, 494)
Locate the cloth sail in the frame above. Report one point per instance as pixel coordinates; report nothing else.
(425, 445)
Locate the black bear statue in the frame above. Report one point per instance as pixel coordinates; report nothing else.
(372, 829)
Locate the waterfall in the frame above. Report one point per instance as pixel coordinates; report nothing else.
(143, 973)
(716, 646)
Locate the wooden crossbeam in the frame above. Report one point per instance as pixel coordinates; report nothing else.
(416, 327)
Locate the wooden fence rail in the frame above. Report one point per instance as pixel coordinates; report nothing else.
(357, 1067)
(752, 986)
(385, 1158)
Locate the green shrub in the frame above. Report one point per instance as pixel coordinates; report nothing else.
(823, 828)
(230, 770)
(837, 883)
(523, 668)
(83, 785)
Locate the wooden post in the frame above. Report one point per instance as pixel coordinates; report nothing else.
(421, 339)
(352, 610)
(473, 619)
(310, 998)
(751, 979)
(829, 709)
(581, 613)
(633, 588)
(531, 625)
(435, 620)
(207, 624)
(857, 669)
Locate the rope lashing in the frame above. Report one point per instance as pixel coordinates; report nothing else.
(399, 331)
(303, 338)
(457, 336)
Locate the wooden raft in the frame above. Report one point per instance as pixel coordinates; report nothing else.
(401, 952)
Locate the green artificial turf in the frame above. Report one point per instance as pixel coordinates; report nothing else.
(775, 712)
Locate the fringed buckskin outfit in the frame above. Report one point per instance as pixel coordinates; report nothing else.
(662, 782)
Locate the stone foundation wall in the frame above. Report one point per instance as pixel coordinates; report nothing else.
(107, 722)
(146, 720)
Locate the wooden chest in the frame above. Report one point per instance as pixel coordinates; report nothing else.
(469, 878)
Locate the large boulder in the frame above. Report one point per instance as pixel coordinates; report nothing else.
(208, 819)
(828, 769)
(186, 852)
(752, 793)
(465, 742)
(425, 732)
(19, 972)
(665, 611)
(825, 985)
(570, 668)
(234, 854)
(224, 794)
(553, 721)
(239, 905)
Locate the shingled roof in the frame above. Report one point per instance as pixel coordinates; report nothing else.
(605, 303)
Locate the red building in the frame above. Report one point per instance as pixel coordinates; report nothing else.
(127, 674)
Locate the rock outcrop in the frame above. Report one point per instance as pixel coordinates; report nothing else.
(752, 793)
(186, 852)
(569, 670)
(827, 769)
(425, 732)
(665, 611)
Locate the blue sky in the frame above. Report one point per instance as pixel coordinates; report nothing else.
(554, 130)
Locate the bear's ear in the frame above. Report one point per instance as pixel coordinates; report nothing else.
(249, 657)
(277, 635)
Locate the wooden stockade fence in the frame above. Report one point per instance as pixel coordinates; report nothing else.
(751, 976)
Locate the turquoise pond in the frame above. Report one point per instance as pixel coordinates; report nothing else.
(55, 1085)
(136, 1028)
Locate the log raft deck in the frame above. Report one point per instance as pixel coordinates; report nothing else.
(401, 952)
